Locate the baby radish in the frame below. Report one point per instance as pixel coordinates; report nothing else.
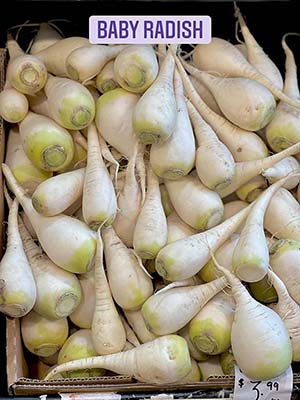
(211, 150)
(210, 368)
(176, 156)
(45, 37)
(55, 195)
(285, 167)
(263, 291)
(196, 205)
(82, 316)
(136, 68)
(41, 336)
(151, 231)
(106, 79)
(227, 362)
(259, 340)
(136, 321)
(205, 95)
(48, 146)
(86, 62)
(210, 329)
(160, 311)
(54, 232)
(252, 189)
(185, 257)
(27, 175)
(194, 352)
(13, 105)
(154, 116)
(25, 72)
(108, 332)
(17, 285)
(79, 345)
(163, 360)
(177, 229)
(129, 284)
(99, 203)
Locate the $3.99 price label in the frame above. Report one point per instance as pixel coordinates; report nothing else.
(279, 388)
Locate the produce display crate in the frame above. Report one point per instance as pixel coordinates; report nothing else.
(18, 372)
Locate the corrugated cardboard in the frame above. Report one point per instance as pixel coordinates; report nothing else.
(17, 369)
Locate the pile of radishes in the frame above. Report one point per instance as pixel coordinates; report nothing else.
(158, 237)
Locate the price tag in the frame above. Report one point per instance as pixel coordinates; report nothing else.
(279, 388)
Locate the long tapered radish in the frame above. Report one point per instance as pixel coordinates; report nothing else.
(259, 340)
(224, 255)
(106, 79)
(26, 73)
(55, 56)
(282, 217)
(194, 352)
(252, 189)
(263, 291)
(129, 284)
(249, 169)
(42, 336)
(196, 205)
(211, 150)
(251, 262)
(130, 334)
(289, 312)
(233, 64)
(48, 146)
(154, 116)
(86, 62)
(160, 311)
(185, 257)
(163, 360)
(136, 321)
(79, 345)
(242, 49)
(176, 156)
(252, 106)
(136, 68)
(54, 232)
(58, 291)
(287, 166)
(18, 288)
(206, 95)
(243, 145)
(117, 131)
(177, 228)
(108, 332)
(55, 195)
(284, 261)
(45, 37)
(256, 56)
(129, 204)
(82, 316)
(13, 105)
(151, 231)
(284, 129)
(99, 203)
(28, 176)
(210, 329)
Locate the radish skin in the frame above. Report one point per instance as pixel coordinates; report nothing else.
(260, 342)
(194, 352)
(58, 193)
(175, 157)
(233, 64)
(25, 172)
(160, 311)
(198, 206)
(185, 257)
(18, 288)
(210, 368)
(54, 232)
(263, 291)
(41, 336)
(165, 200)
(205, 95)
(211, 151)
(177, 229)
(129, 284)
(252, 189)
(48, 146)
(288, 166)
(106, 79)
(227, 362)
(108, 332)
(154, 116)
(242, 49)
(82, 316)
(193, 376)
(163, 360)
(136, 321)
(243, 145)
(45, 37)
(13, 105)
(151, 231)
(136, 68)
(99, 203)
